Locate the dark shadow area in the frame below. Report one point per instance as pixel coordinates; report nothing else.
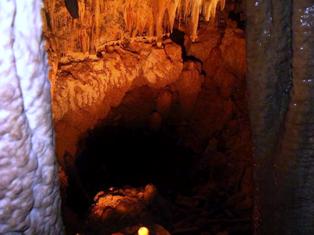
(118, 156)
(177, 36)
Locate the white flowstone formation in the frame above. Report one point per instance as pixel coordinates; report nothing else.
(29, 187)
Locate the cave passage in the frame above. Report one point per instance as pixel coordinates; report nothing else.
(152, 128)
(115, 156)
(112, 158)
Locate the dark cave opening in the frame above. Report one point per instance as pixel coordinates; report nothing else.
(114, 157)
(117, 157)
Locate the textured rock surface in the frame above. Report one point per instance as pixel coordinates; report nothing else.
(119, 208)
(205, 108)
(85, 91)
(112, 21)
(114, 74)
(280, 81)
(219, 125)
(29, 188)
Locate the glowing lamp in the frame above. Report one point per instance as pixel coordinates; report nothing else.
(143, 231)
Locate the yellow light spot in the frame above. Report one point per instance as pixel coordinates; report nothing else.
(143, 231)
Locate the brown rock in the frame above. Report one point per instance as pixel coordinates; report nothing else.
(164, 102)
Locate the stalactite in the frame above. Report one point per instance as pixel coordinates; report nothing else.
(97, 21)
(102, 21)
(195, 12)
(173, 9)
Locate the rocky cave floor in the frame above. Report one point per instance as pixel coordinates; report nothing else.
(174, 158)
(155, 181)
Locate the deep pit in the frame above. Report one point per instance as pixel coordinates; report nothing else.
(148, 132)
(113, 158)
(151, 137)
(117, 157)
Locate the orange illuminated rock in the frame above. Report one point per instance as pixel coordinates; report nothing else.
(127, 201)
(164, 102)
(85, 89)
(107, 22)
(189, 86)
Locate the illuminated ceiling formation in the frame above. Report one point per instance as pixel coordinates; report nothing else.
(103, 22)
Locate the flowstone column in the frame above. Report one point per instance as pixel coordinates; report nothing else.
(29, 187)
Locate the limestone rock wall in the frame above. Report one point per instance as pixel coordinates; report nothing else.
(99, 56)
(220, 116)
(204, 110)
(86, 89)
(111, 71)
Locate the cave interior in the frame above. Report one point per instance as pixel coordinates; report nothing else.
(151, 119)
